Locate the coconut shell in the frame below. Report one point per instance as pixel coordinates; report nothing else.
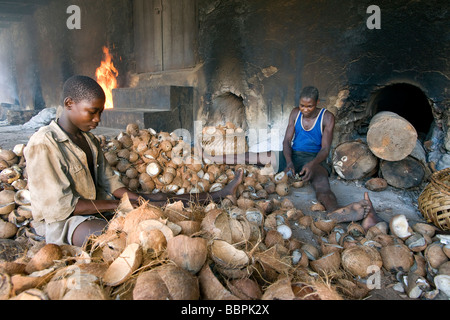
(121, 269)
(435, 255)
(327, 264)
(399, 226)
(282, 189)
(176, 212)
(281, 177)
(416, 242)
(166, 282)
(188, 253)
(44, 258)
(7, 229)
(112, 245)
(446, 250)
(425, 229)
(397, 257)
(217, 225)
(358, 259)
(419, 266)
(7, 196)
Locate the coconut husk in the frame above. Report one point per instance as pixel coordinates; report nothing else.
(352, 289)
(271, 258)
(328, 264)
(24, 282)
(111, 244)
(280, 290)
(282, 189)
(187, 252)
(211, 287)
(435, 256)
(227, 256)
(6, 286)
(189, 227)
(44, 258)
(144, 212)
(12, 267)
(273, 237)
(216, 224)
(358, 259)
(122, 268)
(31, 294)
(326, 225)
(425, 229)
(177, 212)
(69, 278)
(7, 229)
(419, 265)
(245, 289)
(416, 242)
(166, 282)
(397, 257)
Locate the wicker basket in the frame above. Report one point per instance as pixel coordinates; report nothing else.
(434, 201)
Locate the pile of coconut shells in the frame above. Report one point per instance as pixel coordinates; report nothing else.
(255, 245)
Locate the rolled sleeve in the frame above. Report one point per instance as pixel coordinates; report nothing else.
(52, 197)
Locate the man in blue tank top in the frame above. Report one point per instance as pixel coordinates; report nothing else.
(306, 147)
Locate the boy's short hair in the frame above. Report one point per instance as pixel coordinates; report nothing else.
(80, 88)
(310, 92)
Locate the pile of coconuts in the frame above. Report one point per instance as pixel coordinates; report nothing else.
(15, 205)
(245, 247)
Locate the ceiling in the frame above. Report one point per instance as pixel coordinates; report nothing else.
(14, 10)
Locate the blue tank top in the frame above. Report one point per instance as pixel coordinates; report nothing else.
(308, 140)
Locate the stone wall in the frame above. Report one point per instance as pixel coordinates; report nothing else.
(261, 51)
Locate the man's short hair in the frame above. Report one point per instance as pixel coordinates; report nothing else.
(80, 88)
(310, 92)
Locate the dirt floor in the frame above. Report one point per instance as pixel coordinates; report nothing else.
(387, 203)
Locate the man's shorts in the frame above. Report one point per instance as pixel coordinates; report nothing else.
(300, 158)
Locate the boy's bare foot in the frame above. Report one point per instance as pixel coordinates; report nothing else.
(371, 218)
(353, 212)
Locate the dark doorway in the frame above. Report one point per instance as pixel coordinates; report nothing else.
(409, 102)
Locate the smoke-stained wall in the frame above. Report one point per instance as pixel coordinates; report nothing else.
(261, 51)
(47, 52)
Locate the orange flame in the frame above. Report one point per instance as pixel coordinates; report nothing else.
(106, 77)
